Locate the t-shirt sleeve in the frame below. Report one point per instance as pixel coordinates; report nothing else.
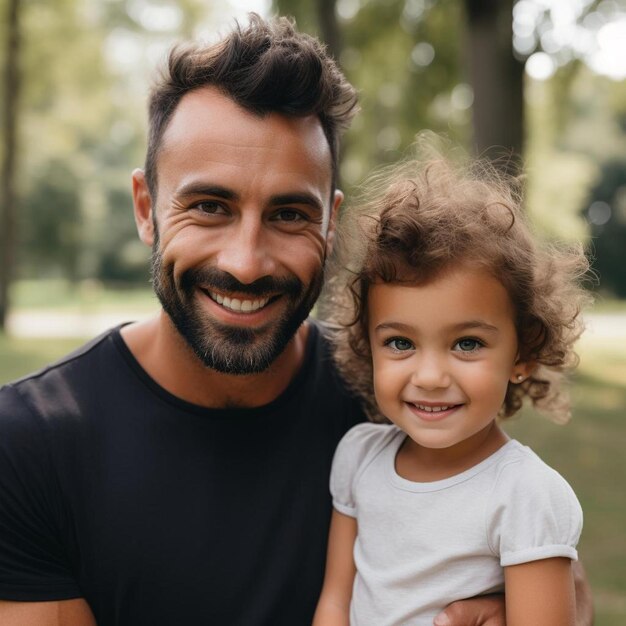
(33, 562)
(353, 453)
(534, 514)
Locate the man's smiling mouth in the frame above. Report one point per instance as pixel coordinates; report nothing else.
(238, 305)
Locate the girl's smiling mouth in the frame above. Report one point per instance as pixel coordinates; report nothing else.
(432, 411)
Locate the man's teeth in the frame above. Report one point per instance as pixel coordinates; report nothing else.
(433, 409)
(238, 305)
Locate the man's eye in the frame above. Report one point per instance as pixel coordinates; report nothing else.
(289, 215)
(210, 208)
(399, 344)
(468, 344)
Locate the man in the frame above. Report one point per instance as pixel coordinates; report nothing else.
(175, 471)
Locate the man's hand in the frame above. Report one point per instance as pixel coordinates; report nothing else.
(584, 601)
(490, 610)
(480, 611)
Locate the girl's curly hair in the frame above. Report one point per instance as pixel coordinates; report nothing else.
(419, 218)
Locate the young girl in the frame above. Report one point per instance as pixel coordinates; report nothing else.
(449, 314)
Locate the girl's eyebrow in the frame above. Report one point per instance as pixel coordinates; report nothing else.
(466, 325)
(476, 324)
(393, 326)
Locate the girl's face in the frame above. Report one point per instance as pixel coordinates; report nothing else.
(443, 354)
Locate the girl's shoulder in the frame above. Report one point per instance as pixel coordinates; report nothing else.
(520, 467)
(533, 512)
(370, 431)
(360, 446)
(368, 439)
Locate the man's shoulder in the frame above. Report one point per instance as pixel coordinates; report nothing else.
(72, 357)
(321, 349)
(323, 361)
(58, 383)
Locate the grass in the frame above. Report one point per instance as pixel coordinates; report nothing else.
(21, 356)
(589, 451)
(85, 296)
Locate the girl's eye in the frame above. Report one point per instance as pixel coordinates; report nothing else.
(399, 344)
(467, 344)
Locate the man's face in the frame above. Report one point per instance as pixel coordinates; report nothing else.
(243, 216)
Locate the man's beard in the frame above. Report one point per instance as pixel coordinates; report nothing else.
(224, 348)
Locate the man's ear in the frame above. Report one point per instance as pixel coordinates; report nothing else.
(142, 203)
(332, 222)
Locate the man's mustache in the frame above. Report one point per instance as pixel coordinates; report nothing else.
(214, 279)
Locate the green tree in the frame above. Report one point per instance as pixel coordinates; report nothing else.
(403, 55)
(8, 195)
(497, 79)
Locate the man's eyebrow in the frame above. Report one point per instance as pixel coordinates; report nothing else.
(306, 199)
(203, 189)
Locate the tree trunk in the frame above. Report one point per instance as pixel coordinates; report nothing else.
(329, 26)
(8, 175)
(497, 79)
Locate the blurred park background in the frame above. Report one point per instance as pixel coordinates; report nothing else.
(544, 79)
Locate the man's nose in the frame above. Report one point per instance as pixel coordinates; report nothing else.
(246, 253)
(431, 372)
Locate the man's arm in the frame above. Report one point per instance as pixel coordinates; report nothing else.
(57, 613)
(584, 601)
(479, 611)
(490, 611)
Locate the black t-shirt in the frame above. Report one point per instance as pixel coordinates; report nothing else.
(160, 512)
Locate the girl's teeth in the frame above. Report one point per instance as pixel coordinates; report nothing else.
(432, 409)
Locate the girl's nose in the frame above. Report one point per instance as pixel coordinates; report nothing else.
(431, 372)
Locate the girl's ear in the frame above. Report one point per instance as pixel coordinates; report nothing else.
(522, 370)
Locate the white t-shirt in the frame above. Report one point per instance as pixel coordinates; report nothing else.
(421, 546)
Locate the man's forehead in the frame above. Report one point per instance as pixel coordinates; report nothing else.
(209, 111)
(209, 125)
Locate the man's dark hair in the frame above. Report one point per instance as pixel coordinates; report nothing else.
(267, 66)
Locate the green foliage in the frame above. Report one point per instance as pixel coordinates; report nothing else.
(50, 223)
(406, 73)
(86, 67)
(575, 157)
(82, 131)
(609, 238)
(403, 56)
